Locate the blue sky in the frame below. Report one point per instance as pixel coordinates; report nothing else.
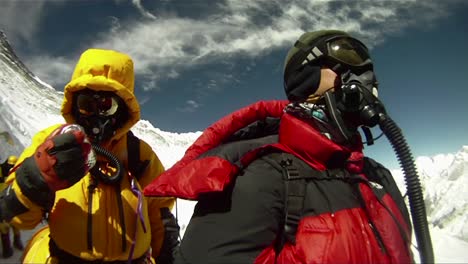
(197, 61)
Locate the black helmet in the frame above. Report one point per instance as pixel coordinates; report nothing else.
(333, 48)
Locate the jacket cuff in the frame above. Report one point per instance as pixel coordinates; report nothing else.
(32, 184)
(10, 206)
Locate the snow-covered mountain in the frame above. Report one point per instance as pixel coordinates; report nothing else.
(445, 185)
(28, 105)
(444, 178)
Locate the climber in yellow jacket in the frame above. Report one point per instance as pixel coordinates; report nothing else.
(69, 175)
(7, 250)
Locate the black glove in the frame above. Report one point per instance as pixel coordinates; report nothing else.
(62, 159)
(171, 237)
(57, 164)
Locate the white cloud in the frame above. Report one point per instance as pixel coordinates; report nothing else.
(20, 19)
(169, 43)
(189, 107)
(175, 43)
(172, 74)
(142, 10)
(150, 83)
(52, 70)
(144, 100)
(114, 24)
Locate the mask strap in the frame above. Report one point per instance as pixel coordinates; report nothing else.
(335, 115)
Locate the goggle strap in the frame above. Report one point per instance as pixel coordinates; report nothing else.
(337, 68)
(313, 52)
(302, 46)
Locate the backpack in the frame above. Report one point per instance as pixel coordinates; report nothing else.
(296, 175)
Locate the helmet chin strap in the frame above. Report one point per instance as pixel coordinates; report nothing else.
(335, 115)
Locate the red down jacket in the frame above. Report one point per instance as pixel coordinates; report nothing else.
(233, 172)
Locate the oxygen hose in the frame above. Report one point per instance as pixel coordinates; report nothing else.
(114, 162)
(413, 186)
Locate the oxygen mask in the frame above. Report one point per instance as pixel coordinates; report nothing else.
(99, 113)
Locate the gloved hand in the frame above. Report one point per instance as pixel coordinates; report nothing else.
(58, 163)
(171, 237)
(62, 159)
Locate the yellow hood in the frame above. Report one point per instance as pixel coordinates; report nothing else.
(104, 70)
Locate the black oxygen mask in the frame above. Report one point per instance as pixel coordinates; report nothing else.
(355, 104)
(98, 128)
(100, 113)
(357, 98)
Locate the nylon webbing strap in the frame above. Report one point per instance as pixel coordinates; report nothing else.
(133, 152)
(295, 193)
(135, 165)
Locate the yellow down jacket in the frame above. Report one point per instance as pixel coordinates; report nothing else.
(101, 70)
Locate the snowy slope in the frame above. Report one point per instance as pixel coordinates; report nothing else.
(27, 105)
(444, 178)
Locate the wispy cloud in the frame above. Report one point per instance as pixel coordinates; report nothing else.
(253, 28)
(52, 70)
(21, 28)
(189, 107)
(143, 100)
(166, 45)
(142, 10)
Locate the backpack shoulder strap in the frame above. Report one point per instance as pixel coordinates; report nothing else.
(295, 191)
(135, 165)
(295, 175)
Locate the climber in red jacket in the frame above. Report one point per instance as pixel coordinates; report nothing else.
(287, 181)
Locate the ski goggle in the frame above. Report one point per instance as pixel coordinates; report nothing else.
(338, 49)
(97, 104)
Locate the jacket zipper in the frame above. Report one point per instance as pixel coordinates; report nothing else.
(377, 236)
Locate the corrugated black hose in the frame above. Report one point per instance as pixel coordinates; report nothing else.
(102, 177)
(355, 98)
(413, 186)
